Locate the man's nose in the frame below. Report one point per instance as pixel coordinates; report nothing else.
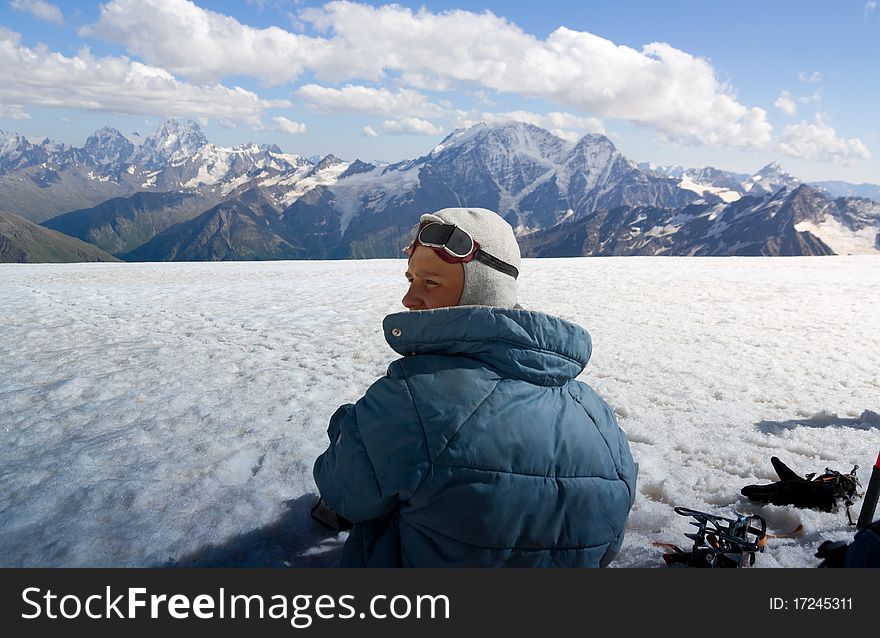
(411, 300)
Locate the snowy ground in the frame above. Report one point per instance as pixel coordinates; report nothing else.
(170, 414)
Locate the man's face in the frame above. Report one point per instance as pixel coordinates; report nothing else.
(433, 283)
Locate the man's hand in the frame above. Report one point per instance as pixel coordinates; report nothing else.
(323, 514)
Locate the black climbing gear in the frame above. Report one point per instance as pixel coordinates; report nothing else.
(812, 491)
(719, 541)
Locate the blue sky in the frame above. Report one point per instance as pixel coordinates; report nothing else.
(731, 85)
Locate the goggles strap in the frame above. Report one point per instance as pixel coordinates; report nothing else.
(497, 264)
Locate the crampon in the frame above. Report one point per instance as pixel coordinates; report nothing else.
(845, 487)
(719, 541)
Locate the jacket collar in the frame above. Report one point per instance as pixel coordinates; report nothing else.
(525, 344)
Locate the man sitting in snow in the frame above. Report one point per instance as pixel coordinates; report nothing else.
(478, 447)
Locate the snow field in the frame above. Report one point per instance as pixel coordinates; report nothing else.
(155, 414)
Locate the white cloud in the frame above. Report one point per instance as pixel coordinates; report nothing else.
(363, 99)
(483, 98)
(819, 141)
(287, 126)
(556, 122)
(369, 131)
(870, 6)
(810, 78)
(567, 120)
(786, 103)
(216, 45)
(658, 86)
(13, 112)
(41, 77)
(40, 9)
(568, 136)
(816, 98)
(410, 126)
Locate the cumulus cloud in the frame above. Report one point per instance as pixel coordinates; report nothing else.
(40, 9)
(363, 99)
(567, 120)
(40, 77)
(410, 126)
(786, 103)
(568, 136)
(658, 86)
(555, 122)
(369, 131)
(819, 141)
(217, 45)
(288, 126)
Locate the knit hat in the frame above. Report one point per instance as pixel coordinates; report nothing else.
(483, 285)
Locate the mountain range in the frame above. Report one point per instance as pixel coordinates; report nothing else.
(175, 196)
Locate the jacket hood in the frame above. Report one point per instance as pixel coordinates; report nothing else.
(524, 344)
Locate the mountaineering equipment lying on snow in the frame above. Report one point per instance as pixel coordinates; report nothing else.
(820, 492)
(864, 551)
(720, 541)
(869, 503)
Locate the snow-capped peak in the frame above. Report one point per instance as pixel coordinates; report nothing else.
(180, 135)
(769, 179)
(772, 167)
(17, 151)
(327, 162)
(172, 143)
(11, 142)
(513, 135)
(458, 137)
(108, 146)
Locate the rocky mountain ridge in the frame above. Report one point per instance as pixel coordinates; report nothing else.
(174, 195)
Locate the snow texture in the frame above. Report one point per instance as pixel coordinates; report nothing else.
(170, 414)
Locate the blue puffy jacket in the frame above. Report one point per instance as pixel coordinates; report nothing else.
(478, 448)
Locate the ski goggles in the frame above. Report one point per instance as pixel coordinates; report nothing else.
(455, 246)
